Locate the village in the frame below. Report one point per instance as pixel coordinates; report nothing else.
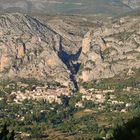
(53, 95)
(41, 93)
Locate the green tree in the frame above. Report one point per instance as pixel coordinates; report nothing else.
(128, 131)
(4, 132)
(12, 135)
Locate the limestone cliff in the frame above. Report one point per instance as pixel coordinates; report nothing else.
(61, 51)
(29, 49)
(112, 49)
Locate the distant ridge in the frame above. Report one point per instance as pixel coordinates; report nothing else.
(68, 7)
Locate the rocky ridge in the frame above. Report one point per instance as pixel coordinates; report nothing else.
(56, 52)
(88, 7)
(112, 49)
(31, 49)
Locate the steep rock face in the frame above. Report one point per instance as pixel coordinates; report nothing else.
(86, 43)
(31, 49)
(113, 49)
(58, 52)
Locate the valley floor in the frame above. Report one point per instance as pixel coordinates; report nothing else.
(93, 113)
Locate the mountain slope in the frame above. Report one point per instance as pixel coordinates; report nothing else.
(31, 49)
(87, 7)
(111, 50)
(58, 52)
(132, 3)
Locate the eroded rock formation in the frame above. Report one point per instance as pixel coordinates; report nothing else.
(30, 48)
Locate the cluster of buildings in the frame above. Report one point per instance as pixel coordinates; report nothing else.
(53, 94)
(41, 93)
(95, 95)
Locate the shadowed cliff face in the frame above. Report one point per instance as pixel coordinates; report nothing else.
(70, 60)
